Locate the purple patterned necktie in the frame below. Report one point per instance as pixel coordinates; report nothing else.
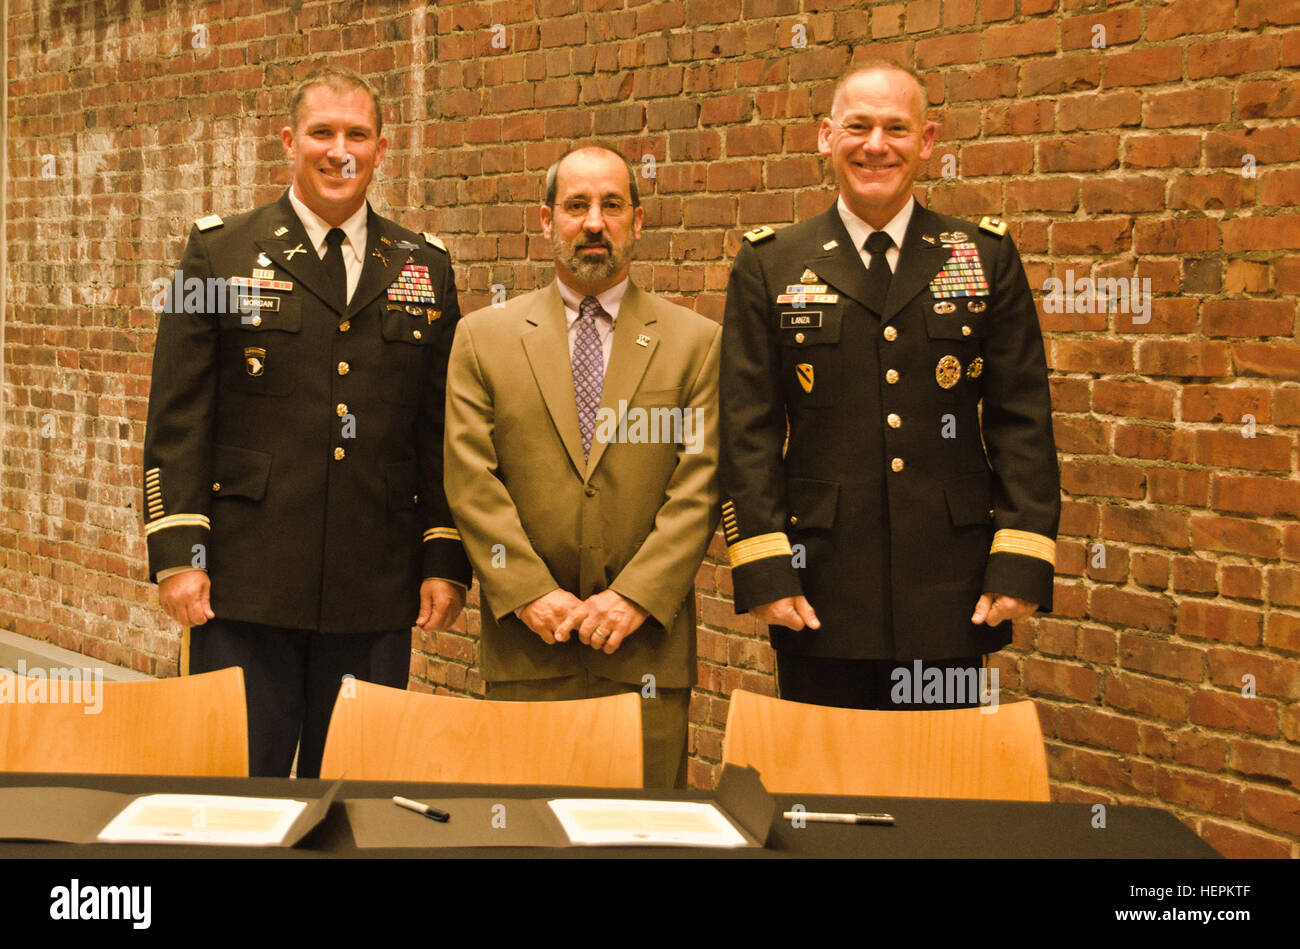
(588, 370)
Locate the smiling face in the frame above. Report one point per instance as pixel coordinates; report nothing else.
(876, 140)
(593, 226)
(334, 150)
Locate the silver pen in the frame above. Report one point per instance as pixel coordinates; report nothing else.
(822, 818)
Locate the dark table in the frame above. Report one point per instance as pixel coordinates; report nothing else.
(924, 827)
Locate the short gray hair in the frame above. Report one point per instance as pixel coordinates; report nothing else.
(552, 173)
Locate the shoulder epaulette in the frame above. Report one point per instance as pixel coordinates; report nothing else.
(430, 239)
(209, 222)
(993, 225)
(759, 234)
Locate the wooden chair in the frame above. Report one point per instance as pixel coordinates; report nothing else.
(379, 733)
(953, 753)
(194, 725)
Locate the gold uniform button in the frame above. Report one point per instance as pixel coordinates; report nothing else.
(894, 421)
(896, 464)
(344, 369)
(891, 376)
(794, 521)
(341, 409)
(891, 333)
(798, 337)
(256, 321)
(991, 513)
(965, 331)
(216, 486)
(416, 334)
(345, 326)
(338, 454)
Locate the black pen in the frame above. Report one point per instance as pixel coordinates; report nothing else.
(430, 812)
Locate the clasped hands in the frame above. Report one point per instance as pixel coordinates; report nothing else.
(602, 621)
(795, 612)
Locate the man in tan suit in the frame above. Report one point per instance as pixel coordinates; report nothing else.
(581, 468)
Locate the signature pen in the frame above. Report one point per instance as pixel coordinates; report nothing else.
(430, 812)
(822, 818)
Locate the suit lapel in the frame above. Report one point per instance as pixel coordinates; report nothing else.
(635, 341)
(547, 348)
(384, 259)
(918, 261)
(839, 264)
(292, 251)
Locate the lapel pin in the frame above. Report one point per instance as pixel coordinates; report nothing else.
(830, 245)
(382, 259)
(288, 254)
(643, 340)
(808, 276)
(928, 238)
(281, 231)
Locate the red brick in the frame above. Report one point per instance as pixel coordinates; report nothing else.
(1230, 711)
(1241, 582)
(1078, 153)
(1232, 56)
(1133, 399)
(1161, 657)
(1162, 151)
(1206, 620)
(1210, 192)
(1100, 478)
(1252, 14)
(1271, 676)
(1282, 631)
(997, 158)
(1279, 810)
(1137, 610)
(1270, 145)
(1145, 696)
(1224, 403)
(1175, 235)
(1178, 358)
(1268, 99)
(1197, 749)
(1179, 486)
(1127, 193)
(1143, 66)
(1149, 441)
(1247, 276)
(1199, 791)
(1098, 111)
(1271, 497)
(1070, 73)
(1183, 17)
(1021, 39)
(1120, 26)
(1280, 360)
(1277, 232)
(1044, 676)
(1080, 435)
(1235, 842)
(1278, 188)
(1200, 106)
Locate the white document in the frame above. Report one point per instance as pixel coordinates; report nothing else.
(622, 822)
(204, 819)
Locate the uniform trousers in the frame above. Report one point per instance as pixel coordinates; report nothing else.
(664, 718)
(291, 678)
(873, 683)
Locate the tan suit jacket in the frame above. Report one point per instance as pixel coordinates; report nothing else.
(636, 517)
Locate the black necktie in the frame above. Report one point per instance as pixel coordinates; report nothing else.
(334, 269)
(879, 274)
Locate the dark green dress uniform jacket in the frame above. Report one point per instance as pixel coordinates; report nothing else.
(293, 449)
(920, 469)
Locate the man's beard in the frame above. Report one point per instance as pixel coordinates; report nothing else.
(588, 268)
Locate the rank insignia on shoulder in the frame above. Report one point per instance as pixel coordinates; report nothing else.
(209, 222)
(993, 225)
(804, 372)
(756, 234)
(430, 239)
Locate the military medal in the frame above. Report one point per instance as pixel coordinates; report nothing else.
(802, 298)
(412, 285)
(806, 288)
(976, 368)
(261, 283)
(948, 371)
(962, 274)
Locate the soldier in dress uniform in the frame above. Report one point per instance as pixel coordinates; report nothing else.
(294, 506)
(888, 474)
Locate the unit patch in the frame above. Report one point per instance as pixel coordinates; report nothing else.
(254, 360)
(804, 373)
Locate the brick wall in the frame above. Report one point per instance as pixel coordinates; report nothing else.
(1121, 139)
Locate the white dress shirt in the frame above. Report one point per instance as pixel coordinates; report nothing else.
(610, 300)
(354, 241)
(859, 230)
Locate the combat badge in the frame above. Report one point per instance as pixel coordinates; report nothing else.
(953, 237)
(948, 371)
(804, 372)
(945, 306)
(976, 306)
(976, 368)
(254, 360)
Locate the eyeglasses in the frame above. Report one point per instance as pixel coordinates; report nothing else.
(609, 207)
